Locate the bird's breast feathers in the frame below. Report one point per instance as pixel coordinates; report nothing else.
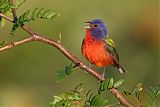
(95, 51)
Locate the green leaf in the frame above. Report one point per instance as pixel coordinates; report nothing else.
(158, 93)
(26, 16)
(36, 13)
(110, 84)
(69, 70)
(126, 93)
(54, 16)
(61, 75)
(33, 16)
(97, 101)
(106, 82)
(136, 91)
(20, 20)
(94, 99)
(79, 88)
(51, 14)
(65, 72)
(3, 21)
(2, 43)
(45, 13)
(39, 13)
(88, 92)
(18, 3)
(5, 6)
(118, 83)
(54, 100)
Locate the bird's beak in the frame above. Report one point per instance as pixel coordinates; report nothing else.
(87, 25)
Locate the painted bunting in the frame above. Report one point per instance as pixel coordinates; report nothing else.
(98, 48)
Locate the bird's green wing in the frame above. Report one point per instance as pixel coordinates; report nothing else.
(110, 46)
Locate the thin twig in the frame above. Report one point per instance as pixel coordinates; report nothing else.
(120, 97)
(60, 47)
(13, 11)
(6, 17)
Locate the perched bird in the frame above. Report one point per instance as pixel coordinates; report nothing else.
(98, 48)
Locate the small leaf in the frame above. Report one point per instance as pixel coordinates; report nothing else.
(51, 14)
(136, 90)
(126, 93)
(54, 16)
(158, 93)
(110, 84)
(101, 88)
(18, 3)
(2, 43)
(106, 82)
(56, 99)
(118, 83)
(20, 20)
(26, 16)
(3, 21)
(79, 87)
(69, 70)
(33, 16)
(90, 96)
(39, 13)
(88, 92)
(94, 99)
(61, 75)
(97, 101)
(45, 13)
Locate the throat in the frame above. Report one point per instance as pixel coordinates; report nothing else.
(89, 36)
(93, 35)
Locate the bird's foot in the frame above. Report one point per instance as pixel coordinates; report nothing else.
(103, 75)
(76, 65)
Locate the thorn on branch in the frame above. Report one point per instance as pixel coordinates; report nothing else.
(60, 38)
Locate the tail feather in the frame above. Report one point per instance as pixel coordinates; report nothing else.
(120, 69)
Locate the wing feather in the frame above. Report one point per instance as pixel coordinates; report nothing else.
(110, 47)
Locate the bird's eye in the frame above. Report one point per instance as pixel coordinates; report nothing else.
(95, 25)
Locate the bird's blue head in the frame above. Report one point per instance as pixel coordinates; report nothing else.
(97, 28)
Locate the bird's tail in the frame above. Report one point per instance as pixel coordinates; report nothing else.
(120, 68)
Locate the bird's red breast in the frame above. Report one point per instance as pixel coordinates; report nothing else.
(95, 51)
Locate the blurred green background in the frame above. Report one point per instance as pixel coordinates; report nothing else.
(27, 72)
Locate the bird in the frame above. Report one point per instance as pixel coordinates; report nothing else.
(98, 47)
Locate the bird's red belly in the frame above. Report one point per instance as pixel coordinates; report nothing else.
(96, 53)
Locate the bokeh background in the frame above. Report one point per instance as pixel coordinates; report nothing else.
(27, 72)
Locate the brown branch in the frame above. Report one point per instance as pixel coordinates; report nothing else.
(13, 11)
(6, 17)
(60, 47)
(120, 97)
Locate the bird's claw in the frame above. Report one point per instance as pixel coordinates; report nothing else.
(103, 76)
